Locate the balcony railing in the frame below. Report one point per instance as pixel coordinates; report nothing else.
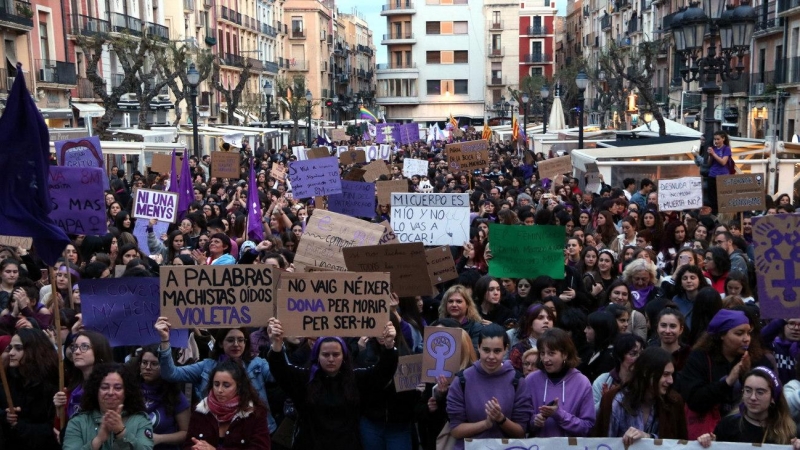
(633, 26)
(88, 26)
(539, 30)
(255, 64)
(692, 100)
(233, 60)
(397, 5)
(297, 65)
(496, 81)
(271, 67)
(160, 32)
(297, 33)
(59, 72)
(785, 5)
(622, 4)
(495, 25)
(122, 23)
(535, 58)
(188, 5)
(396, 65)
(740, 86)
(666, 22)
(17, 12)
(390, 36)
(605, 22)
(495, 52)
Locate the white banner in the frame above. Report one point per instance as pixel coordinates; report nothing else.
(413, 167)
(300, 153)
(433, 219)
(680, 194)
(374, 152)
(604, 444)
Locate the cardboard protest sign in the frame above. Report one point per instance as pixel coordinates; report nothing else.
(81, 152)
(16, 241)
(527, 252)
(388, 235)
(741, 192)
(352, 157)
(339, 135)
(124, 310)
(300, 152)
(406, 263)
(468, 156)
(162, 163)
(409, 371)
(609, 443)
(441, 353)
(226, 164)
(152, 204)
(441, 265)
(78, 199)
(413, 167)
(374, 170)
(357, 199)
(318, 152)
(433, 219)
(217, 296)
(777, 263)
(278, 172)
(140, 232)
(327, 233)
(594, 182)
(549, 168)
(680, 194)
(355, 174)
(342, 304)
(315, 177)
(386, 188)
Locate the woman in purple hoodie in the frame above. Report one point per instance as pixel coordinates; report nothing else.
(561, 395)
(499, 405)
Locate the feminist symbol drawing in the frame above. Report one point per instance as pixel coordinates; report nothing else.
(777, 262)
(441, 345)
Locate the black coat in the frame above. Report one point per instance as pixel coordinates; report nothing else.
(34, 428)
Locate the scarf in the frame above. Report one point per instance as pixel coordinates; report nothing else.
(223, 412)
(640, 296)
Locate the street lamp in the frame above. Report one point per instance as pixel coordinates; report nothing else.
(308, 113)
(525, 100)
(544, 92)
(735, 26)
(582, 82)
(193, 78)
(268, 93)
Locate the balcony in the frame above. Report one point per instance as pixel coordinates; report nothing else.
(211, 36)
(398, 7)
(398, 38)
(85, 88)
(666, 22)
(255, 64)
(117, 79)
(361, 73)
(229, 59)
(269, 30)
(56, 72)
(537, 58)
(342, 78)
(396, 66)
(539, 30)
(496, 81)
(768, 26)
(364, 49)
(188, 6)
(87, 26)
(122, 23)
(280, 27)
(786, 7)
(16, 14)
(160, 32)
(271, 67)
(692, 101)
(495, 25)
(761, 82)
(624, 41)
(297, 33)
(297, 65)
(7, 81)
(495, 52)
(634, 26)
(740, 86)
(622, 4)
(605, 23)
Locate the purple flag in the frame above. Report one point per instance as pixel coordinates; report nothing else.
(365, 136)
(408, 133)
(387, 133)
(173, 175)
(255, 229)
(357, 199)
(24, 174)
(186, 188)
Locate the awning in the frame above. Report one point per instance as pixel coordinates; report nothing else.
(239, 115)
(57, 113)
(580, 158)
(87, 110)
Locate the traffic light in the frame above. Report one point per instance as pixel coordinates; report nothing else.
(328, 103)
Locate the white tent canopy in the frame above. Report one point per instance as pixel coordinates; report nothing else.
(580, 158)
(556, 120)
(673, 129)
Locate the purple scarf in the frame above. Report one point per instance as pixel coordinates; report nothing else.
(640, 296)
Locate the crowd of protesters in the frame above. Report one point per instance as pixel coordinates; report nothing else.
(654, 331)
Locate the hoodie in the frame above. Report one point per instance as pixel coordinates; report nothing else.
(515, 403)
(575, 415)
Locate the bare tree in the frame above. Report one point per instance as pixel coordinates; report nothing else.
(176, 60)
(291, 93)
(232, 95)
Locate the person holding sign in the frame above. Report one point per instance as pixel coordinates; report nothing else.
(112, 414)
(720, 155)
(499, 404)
(457, 304)
(32, 381)
(328, 394)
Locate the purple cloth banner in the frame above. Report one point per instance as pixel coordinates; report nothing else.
(124, 310)
(356, 200)
(255, 229)
(315, 177)
(408, 133)
(78, 199)
(387, 133)
(186, 188)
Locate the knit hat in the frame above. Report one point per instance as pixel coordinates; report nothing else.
(725, 320)
(524, 196)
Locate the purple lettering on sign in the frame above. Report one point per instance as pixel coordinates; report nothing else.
(124, 310)
(357, 199)
(77, 196)
(315, 177)
(81, 152)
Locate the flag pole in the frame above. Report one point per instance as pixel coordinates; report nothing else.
(6, 387)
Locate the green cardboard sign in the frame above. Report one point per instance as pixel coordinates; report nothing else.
(526, 251)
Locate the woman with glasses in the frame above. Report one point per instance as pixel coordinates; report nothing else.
(88, 349)
(717, 265)
(782, 337)
(229, 343)
(32, 381)
(165, 404)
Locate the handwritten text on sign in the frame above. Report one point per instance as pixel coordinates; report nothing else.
(124, 310)
(324, 304)
(151, 204)
(82, 152)
(741, 192)
(217, 296)
(327, 233)
(433, 219)
(413, 167)
(78, 199)
(406, 263)
(407, 375)
(315, 177)
(357, 199)
(468, 156)
(680, 194)
(527, 252)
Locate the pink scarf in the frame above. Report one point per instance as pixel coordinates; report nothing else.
(224, 412)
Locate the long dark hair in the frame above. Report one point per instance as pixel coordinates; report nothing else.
(605, 329)
(39, 363)
(244, 388)
(170, 393)
(647, 371)
(410, 313)
(348, 379)
(102, 354)
(133, 403)
(219, 337)
(712, 343)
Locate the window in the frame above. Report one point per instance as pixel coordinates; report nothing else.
(461, 87)
(496, 43)
(434, 87)
(432, 28)
(536, 71)
(397, 32)
(461, 57)
(537, 21)
(495, 17)
(44, 42)
(297, 24)
(460, 27)
(432, 57)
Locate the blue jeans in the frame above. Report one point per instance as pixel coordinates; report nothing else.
(385, 436)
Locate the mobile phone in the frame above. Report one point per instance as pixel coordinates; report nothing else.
(551, 403)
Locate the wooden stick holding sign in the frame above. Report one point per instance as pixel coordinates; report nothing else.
(6, 387)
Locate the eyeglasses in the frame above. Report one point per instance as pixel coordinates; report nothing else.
(82, 347)
(232, 340)
(17, 347)
(152, 364)
(748, 392)
(795, 325)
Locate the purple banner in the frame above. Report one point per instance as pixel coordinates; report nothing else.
(777, 264)
(387, 133)
(356, 200)
(124, 310)
(78, 199)
(140, 232)
(408, 133)
(315, 177)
